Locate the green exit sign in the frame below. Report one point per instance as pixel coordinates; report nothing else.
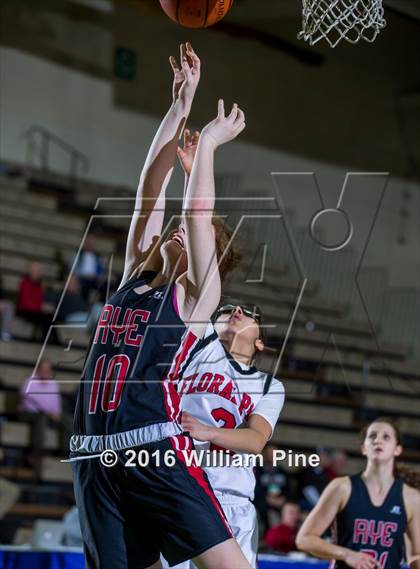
(125, 63)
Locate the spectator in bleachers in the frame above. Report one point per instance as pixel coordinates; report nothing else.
(73, 308)
(272, 487)
(338, 466)
(313, 479)
(31, 303)
(7, 315)
(282, 537)
(89, 268)
(41, 406)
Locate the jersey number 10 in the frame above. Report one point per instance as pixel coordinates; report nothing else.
(115, 376)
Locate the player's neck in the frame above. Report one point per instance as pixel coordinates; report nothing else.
(240, 351)
(380, 474)
(170, 272)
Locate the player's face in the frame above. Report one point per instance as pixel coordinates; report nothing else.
(239, 321)
(381, 443)
(173, 249)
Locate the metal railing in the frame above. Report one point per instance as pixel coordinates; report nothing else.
(41, 139)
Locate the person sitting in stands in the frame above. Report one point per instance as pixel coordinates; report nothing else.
(283, 536)
(338, 466)
(73, 307)
(88, 268)
(31, 304)
(41, 405)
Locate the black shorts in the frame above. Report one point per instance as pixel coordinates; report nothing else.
(129, 515)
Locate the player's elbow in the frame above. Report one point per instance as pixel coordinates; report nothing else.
(257, 443)
(259, 447)
(302, 542)
(253, 448)
(305, 541)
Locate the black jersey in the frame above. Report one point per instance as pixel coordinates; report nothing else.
(375, 530)
(123, 384)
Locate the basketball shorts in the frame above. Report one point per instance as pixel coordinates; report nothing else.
(242, 518)
(130, 514)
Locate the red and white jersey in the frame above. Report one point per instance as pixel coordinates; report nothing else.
(219, 391)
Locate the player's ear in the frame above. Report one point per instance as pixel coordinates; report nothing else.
(259, 345)
(363, 449)
(398, 450)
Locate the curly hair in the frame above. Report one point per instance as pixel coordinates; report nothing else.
(228, 255)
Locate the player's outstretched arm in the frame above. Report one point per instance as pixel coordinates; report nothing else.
(149, 209)
(321, 518)
(186, 154)
(198, 291)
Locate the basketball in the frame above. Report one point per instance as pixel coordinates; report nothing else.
(196, 13)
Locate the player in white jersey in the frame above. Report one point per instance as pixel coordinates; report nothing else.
(229, 404)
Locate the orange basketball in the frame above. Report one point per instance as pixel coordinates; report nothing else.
(196, 13)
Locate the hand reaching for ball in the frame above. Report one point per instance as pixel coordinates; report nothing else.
(187, 153)
(224, 129)
(186, 75)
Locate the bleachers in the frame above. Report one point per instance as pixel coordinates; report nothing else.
(323, 402)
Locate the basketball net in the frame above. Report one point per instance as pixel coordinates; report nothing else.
(337, 20)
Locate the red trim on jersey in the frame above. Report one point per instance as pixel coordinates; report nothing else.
(197, 473)
(184, 350)
(171, 400)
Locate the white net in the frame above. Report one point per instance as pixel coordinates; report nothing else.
(337, 20)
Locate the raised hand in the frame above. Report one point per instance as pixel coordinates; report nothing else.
(187, 153)
(224, 129)
(186, 74)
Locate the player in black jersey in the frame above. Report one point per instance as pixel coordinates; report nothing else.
(127, 399)
(372, 511)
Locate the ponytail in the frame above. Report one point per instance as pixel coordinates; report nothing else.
(409, 476)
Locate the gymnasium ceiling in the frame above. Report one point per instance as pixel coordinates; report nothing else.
(357, 106)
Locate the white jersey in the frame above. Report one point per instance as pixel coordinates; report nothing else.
(220, 392)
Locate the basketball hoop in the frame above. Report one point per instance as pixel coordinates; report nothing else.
(337, 20)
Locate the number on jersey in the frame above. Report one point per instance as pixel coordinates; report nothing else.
(112, 386)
